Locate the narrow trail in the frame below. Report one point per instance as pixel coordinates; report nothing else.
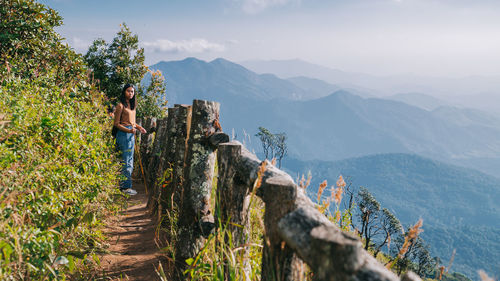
(133, 254)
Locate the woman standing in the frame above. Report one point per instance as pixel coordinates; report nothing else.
(125, 137)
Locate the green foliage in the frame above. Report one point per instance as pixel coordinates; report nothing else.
(57, 169)
(273, 145)
(152, 102)
(118, 63)
(29, 46)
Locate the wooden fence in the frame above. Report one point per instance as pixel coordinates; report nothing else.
(178, 156)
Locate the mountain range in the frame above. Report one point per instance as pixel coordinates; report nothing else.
(482, 92)
(396, 146)
(337, 125)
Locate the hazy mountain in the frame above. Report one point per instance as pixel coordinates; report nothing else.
(315, 87)
(340, 125)
(460, 207)
(419, 100)
(477, 91)
(320, 88)
(297, 68)
(220, 80)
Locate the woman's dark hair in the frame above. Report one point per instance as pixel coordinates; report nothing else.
(124, 100)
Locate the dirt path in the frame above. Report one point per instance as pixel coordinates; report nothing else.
(133, 254)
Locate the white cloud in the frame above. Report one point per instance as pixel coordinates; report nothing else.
(255, 6)
(195, 45)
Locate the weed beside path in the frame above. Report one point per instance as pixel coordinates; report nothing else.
(133, 253)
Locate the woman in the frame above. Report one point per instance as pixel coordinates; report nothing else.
(125, 137)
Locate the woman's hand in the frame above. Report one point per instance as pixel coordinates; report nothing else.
(133, 130)
(142, 130)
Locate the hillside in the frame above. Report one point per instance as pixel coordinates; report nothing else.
(480, 91)
(460, 207)
(220, 80)
(419, 100)
(339, 125)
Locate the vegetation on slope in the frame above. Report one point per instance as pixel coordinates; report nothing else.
(459, 206)
(57, 168)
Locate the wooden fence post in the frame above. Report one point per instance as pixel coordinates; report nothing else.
(179, 158)
(278, 191)
(233, 199)
(147, 139)
(154, 156)
(196, 218)
(154, 202)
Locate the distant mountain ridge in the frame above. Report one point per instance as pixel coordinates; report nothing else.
(221, 79)
(340, 125)
(460, 207)
(481, 91)
(419, 100)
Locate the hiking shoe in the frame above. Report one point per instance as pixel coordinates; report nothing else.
(129, 191)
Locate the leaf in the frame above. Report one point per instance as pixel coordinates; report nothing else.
(190, 261)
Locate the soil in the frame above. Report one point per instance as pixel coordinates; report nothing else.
(133, 253)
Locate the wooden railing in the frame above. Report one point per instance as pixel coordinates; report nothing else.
(183, 154)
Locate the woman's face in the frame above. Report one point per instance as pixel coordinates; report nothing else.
(129, 93)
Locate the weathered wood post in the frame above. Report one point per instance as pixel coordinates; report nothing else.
(169, 156)
(196, 218)
(152, 165)
(233, 199)
(165, 151)
(179, 158)
(154, 156)
(147, 139)
(278, 191)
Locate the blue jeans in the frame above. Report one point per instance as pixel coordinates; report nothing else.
(125, 142)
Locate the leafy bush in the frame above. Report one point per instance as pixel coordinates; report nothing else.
(57, 169)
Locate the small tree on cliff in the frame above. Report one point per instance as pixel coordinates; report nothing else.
(389, 226)
(266, 139)
(369, 211)
(281, 147)
(273, 145)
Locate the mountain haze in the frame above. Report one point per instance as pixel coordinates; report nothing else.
(482, 92)
(337, 126)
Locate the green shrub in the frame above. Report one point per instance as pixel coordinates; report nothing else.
(57, 167)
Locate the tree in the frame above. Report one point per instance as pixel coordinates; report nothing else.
(416, 258)
(122, 61)
(266, 139)
(29, 46)
(152, 100)
(281, 147)
(273, 145)
(389, 225)
(118, 63)
(369, 209)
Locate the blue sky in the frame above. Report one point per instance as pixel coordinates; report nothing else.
(383, 37)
